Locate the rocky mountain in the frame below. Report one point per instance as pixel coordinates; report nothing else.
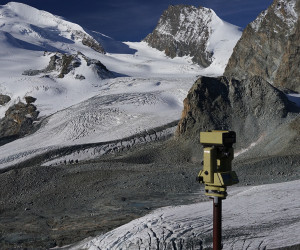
(250, 107)
(269, 47)
(185, 30)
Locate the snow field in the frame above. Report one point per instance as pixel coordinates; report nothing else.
(148, 91)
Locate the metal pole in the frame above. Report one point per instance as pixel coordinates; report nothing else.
(217, 223)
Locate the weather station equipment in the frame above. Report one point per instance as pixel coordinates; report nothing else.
(217, 173)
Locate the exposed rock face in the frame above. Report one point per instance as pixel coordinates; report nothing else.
(182, 31)
(87, 40)
(63, 64)
(92, 43)
(4, 99)
(269, 47)
(18, 120)
(249, 107)
(288, 73)
(30, 99)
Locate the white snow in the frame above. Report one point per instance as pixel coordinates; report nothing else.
(148, 91)
(253, 144)
(223, 38)
(259, 217)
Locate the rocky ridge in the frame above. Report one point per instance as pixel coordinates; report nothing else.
(269, 47)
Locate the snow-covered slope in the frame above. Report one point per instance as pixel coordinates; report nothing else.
(25, 33)
(25, 27)
(260, 217)
(78, 106)
(147, 91)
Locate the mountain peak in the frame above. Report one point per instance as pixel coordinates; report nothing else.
(185, 30)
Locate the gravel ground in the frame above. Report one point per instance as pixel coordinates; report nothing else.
(43, 207)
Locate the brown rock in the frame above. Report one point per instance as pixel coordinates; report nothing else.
(288, 73)
(30, 99)
(269, 47)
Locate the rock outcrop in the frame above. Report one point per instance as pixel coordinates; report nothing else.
(270, 46)
(4, 99)
(288, 73)
(63, 64)
(87, 40)
(18, 121)
(30, 99)
(250, 107)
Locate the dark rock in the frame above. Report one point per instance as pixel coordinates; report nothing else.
(4, 99)
(52, 64)
(18, 120)
(92, 43)
(88, 41)
(79, 77)
(64, 64)
(30, 99)
(249, 107)
(98, 68)
(177, 35)
(269, 47)
(31, 72)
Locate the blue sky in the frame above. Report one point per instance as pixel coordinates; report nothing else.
(132, 20)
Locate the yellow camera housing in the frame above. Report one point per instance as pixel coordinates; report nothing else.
(218, 154)
(218, 138)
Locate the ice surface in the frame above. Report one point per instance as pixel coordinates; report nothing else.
(259, 217)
